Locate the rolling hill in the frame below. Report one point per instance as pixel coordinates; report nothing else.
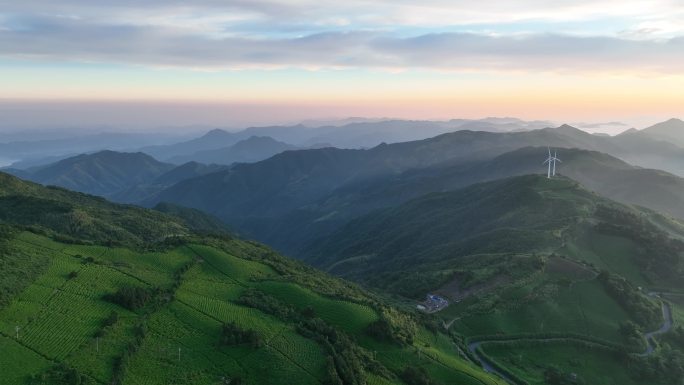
(527, 263)
(142, 191)
(607, 175)
(31, 148)
(119, 176)
(294, 198)
(519, 215)
(93, 292)
(307, 172)
(104, 173)
(80, 217)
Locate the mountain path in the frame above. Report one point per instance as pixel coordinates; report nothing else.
(668, 321)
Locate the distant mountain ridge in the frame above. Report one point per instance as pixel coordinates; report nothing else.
(252, 149)
(355, 133)
(671, 130)
(286, 199)
(28, 153)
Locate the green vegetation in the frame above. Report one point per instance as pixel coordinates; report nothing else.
(416, 376)
(172, 307)
(228, 329)
(101, 293)
(196, 220)
(232, 334)
(103, 173)
(563, 362)
(524, 259)
(130, 297)
(663, 260)
(82, 219)
(393, 326)
(639, 306)
(19, 266)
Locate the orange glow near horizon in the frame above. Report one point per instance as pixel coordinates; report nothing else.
(411, 94)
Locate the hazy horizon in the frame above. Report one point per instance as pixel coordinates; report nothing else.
(179, 119)
(235, 64)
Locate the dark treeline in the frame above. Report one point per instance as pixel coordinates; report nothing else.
(131, 297)
(346, 361)
(645, 312)
(232, 334)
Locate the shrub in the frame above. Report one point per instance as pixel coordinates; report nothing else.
(416, 376)
(393, 326)
(268, 304)
(232, 334)
(130, 297)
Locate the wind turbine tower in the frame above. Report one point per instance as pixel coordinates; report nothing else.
(555, 159)
(551, 161)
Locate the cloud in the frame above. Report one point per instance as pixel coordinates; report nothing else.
(213, 34)
(385, 12)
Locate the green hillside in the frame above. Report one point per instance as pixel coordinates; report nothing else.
(525, 260)
(77, 217)
(602, 173)
(103, 173)
(178, 308)
(528, 215)
(283, 200)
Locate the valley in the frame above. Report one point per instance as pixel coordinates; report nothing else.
(532, 272)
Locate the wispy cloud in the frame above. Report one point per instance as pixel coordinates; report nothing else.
(526, 35)
(74, 39)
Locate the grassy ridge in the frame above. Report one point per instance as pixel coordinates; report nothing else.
(520, 256)
(82, 218)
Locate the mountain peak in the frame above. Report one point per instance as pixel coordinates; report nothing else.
(670, 124)
(216, 133)
(567, 127)
(671, 131)
(110, 153)
(629, 131)
(259, 139)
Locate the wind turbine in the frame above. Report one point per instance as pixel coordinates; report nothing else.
(551, 160)
(555, 159)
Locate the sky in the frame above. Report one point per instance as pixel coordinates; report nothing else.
(232, 63)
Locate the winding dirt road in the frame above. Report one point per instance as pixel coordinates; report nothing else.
(668, 321)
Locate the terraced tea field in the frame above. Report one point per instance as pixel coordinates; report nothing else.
(62, 316)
